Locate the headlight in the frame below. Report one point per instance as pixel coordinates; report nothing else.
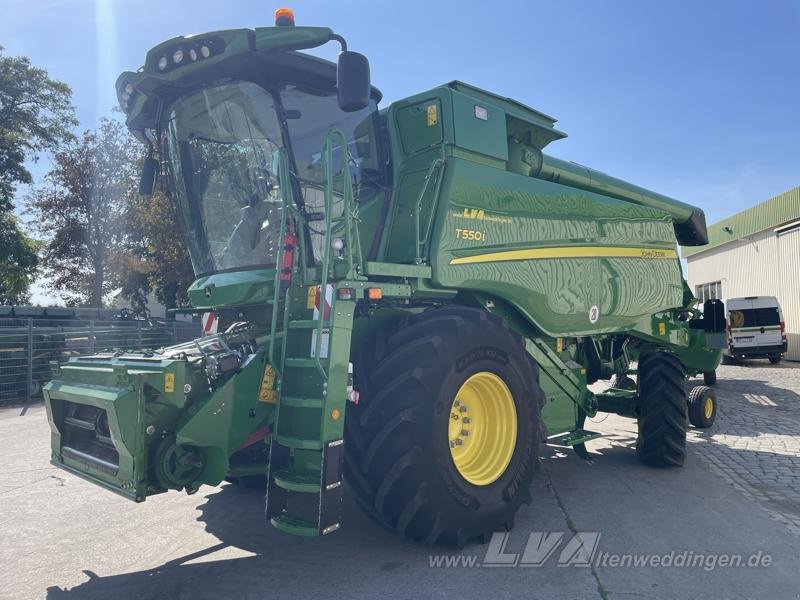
(177, 56)
(193, 54)
(205, 51)
(162, 63)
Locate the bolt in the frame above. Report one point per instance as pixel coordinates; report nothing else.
(459, 442)
(452, 444)
(463, 408)
(464, 432)
(150, 430)
(466, 420)
(456, 403)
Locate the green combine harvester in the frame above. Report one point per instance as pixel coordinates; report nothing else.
(411, 299)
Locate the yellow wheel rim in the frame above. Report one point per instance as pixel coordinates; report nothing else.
(483, 428)
(708, 408)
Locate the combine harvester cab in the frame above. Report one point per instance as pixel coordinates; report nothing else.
(414, 297)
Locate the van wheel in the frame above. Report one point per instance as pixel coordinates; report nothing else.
(775, 359)
(702, 406)
(710, 377)
(662, 410)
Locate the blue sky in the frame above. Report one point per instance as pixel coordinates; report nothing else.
(696, 100)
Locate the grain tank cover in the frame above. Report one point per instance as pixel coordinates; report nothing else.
(537, 129)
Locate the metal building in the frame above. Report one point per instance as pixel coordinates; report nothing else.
(754, 253)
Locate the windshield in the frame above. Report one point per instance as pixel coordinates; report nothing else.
(220, 143)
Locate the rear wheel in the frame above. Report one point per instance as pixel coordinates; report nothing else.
(710, 377)
(775, 359)
(702, 406)
(662, 410)
(443, 445)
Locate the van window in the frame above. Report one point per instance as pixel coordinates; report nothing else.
(755, 317)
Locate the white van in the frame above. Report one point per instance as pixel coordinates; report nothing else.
(756, 328)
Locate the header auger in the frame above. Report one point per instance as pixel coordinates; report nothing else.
(412, 299)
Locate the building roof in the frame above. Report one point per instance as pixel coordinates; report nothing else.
(770, 213)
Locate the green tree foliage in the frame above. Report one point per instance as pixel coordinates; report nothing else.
(17, 261)
(36, 115)
(159, 261)
(83, 211)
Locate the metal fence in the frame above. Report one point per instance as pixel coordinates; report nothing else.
(27, 346)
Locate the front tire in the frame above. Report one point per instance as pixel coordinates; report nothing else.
(775, 359)
(662, 410)
(402, 456)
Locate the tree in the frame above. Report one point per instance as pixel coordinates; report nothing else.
(157, 260)
(163, 258)
(36, 115)
(83, 213)
(17, 261)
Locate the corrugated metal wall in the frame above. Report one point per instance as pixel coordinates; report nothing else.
(789, 258)
(764, 264)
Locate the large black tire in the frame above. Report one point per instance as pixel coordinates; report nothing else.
(623, 382)
(775, 359)
(702, 406)
(710, 377)
(397, 452)
(662, 410)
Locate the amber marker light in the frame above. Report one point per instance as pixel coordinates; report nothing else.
(284, 17)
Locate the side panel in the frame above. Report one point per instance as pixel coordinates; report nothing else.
(552, 251)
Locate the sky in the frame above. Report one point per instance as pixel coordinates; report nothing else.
(695, 100)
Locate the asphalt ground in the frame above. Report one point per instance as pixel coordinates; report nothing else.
(604, 529)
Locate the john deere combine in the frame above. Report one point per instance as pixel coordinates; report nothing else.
(413, 298)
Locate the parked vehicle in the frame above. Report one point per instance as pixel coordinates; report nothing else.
(411, 297)
(756, 328)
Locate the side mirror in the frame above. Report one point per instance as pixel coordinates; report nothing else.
(147, 181)
(352, 81)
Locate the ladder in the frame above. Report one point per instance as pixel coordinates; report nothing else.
(304, 493)
(304, 478)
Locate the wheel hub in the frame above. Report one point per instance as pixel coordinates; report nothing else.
(708, 407)
(482, 431)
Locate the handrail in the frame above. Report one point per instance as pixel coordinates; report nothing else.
(420, 241)
(285, 190)
(351, 236)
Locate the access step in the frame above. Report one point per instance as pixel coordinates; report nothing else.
(303, 363)
(307, 324)
(297, 442)
(294, 526)
(295, 402)
(573, 438)
(306, 482)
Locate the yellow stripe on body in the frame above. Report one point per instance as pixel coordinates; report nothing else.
(567, 252)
